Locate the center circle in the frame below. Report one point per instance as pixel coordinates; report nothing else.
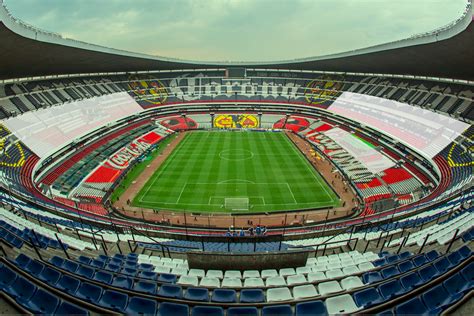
(236, 154)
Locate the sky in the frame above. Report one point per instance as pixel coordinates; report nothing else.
(237, 30)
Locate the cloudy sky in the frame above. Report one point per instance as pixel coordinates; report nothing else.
(237, 30)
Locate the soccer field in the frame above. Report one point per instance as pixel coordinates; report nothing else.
(222, 171)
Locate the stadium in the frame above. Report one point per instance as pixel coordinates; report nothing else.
(141, 185)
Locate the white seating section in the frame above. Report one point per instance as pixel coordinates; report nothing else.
(317, 277)
(441, 233)
(22, 223)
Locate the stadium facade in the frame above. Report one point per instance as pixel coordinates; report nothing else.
(388, 128)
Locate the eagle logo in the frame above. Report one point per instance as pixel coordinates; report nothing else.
(148, 90)
(322, 91)
(12, 154)
(465, 152)
(179, 123)
(293, 123)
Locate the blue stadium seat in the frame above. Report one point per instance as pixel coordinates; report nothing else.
(89, 292)
(84, 259)
(224, 296)
(371, 277)
(141, 306)
(49, 276)
(167, 278)
(70, 266)
(145, 287)
(442, 265)
(437, 298)
(197, 294)
(243, 311)
(145, 267)
(103, 277)
(42, 302)
(129, 271)
(404, 255)
(97, 264)
(456, 284)
(85, 271)
(277, 310)
(392, 258)
(428, 273)
(405, 266)
(455, 258)
(130, 264)
(379, 262)
(34, 267)
(7, 277)
(465, 252)
(68, 284)
(391, 289)
(414, 306)
(120, 256)
(116, 261)
(114, 300)
(313, 308)
(252, 296)
(22, 261)
(66, 308)
(432, 255)
(207, 311)
(21, 289)
(468, 236)
(468, 274)
(148, 275)
(132, 256)
(170, 290)
(420, 260)
(122, 282)
(367, 297)
(389, 272)
(103, 258)
(113, 267)
(411, 281)
(174, 309)
(57, 261)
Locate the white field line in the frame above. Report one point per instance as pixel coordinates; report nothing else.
(311, 169)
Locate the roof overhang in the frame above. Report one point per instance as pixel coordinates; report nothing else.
(29, 52)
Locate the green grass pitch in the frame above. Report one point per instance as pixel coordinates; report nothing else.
(208, 167)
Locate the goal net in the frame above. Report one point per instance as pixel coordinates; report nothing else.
(236, 204)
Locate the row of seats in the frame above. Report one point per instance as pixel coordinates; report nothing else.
(22, 290)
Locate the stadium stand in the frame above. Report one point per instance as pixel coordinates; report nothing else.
(405, 249)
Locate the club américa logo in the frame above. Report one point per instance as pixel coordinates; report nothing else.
(149, 90)
(322, 90)
(236, 121)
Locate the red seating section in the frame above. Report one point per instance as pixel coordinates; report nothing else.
(394, 175)
(51, 177)
(104, 175)
(323, 128)
(372, 184)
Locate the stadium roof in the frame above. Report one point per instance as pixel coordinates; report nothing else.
(28, 52)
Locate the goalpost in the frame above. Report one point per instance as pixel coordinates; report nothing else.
(237, 204)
